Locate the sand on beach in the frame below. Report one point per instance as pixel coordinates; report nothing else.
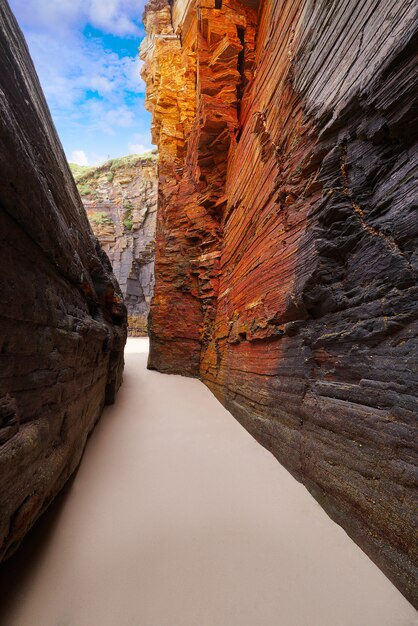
(178, 517)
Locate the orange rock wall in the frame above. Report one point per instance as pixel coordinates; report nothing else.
(194, 136)
(286, 268)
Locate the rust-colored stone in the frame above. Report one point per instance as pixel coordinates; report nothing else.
(194, 145)
(286, 245)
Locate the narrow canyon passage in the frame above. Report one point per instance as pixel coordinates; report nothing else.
(177, 517)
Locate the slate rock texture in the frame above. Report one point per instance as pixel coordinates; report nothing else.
(62, 317)
(286, 260)
(120, 198)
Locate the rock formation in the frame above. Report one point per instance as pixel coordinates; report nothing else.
(120, 198)
(286, 254)
(62, 318)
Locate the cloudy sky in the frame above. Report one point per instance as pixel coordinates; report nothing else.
(86, 55)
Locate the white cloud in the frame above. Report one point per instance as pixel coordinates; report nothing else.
(137, 148)
(79, 157)
(92, 83)
(141, 142)
(101, 84)
(121, 117)
(68, 71)
(98, 159)
(116, 17)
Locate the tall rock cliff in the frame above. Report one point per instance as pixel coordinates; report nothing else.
(62, 318)
(286, 255)
(120, 198)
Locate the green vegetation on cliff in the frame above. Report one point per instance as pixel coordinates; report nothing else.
(82, 173)
(100, 217)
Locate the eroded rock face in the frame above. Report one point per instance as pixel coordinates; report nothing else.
(62, 318)
(286, 258)
(120, 198)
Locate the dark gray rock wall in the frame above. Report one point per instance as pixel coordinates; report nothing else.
(287, 268)
(62, 318)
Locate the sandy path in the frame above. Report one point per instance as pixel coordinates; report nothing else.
(177, 517)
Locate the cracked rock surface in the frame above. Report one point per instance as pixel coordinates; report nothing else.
(120, 198)
(286, 255)
(62, 317)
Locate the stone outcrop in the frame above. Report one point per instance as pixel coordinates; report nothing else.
(62, 318)
(120, 198)
(287, 231)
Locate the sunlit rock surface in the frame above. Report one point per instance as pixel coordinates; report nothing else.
(286, 257)
(62, 319)
(120, 198)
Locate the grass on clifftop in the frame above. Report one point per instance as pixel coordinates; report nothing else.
(80, 171)
(84, 172)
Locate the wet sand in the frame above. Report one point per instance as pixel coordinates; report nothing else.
(177, 517)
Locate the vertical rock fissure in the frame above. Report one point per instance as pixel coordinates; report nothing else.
(286, 248)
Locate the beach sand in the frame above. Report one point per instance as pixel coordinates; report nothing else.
(178, 517)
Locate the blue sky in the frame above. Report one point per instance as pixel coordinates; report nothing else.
(86, 56)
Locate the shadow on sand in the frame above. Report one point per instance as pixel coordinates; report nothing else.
(20, 567)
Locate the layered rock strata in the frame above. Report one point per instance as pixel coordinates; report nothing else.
(120, 198)
(286, 261)
(62, 318)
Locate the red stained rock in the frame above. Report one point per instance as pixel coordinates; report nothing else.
(286, 243)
